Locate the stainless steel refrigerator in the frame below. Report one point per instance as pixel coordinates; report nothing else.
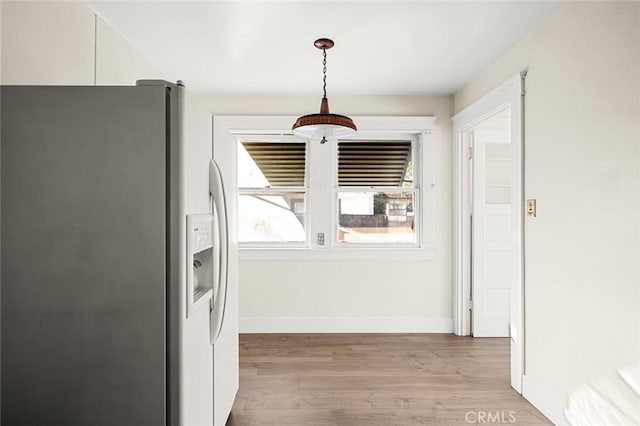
(106, 194)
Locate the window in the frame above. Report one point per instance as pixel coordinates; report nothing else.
(376, 193)
(348, 198)
(272, 191)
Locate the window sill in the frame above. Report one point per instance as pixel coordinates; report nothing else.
(284, 254)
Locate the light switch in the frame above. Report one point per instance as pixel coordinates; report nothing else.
(531, 207)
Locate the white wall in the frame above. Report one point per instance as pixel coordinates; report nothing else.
(47, 43)
(62, 42)
(1, 31)
(117, 61)
(360, 295)
(582, 164)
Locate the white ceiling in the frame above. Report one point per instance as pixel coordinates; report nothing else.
(266, 47)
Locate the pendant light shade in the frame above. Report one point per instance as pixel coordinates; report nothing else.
(324, 125)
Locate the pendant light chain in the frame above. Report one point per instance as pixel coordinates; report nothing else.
(324, 82)
(324, 72)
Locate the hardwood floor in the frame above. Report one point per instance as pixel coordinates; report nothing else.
(376, 379)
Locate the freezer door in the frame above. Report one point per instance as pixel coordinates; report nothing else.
(83, 225)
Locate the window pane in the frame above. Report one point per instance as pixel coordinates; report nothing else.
(375, 217)
(271, 164)
(375, 163)
(275, 217)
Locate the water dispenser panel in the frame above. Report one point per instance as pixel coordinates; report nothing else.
(200, 261)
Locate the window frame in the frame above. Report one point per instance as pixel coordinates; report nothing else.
(229, 128)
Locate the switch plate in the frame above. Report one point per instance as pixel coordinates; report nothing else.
(531, 207)
(320, 238)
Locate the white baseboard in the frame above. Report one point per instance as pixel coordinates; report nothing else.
(347, 325)
(544, 401)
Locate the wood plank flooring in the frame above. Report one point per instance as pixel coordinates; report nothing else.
(376, 379)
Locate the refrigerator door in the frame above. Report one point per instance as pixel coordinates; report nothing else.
(84, 272)
(219, 299)
(226, 345)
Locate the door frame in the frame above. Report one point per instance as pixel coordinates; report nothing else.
(509, 94)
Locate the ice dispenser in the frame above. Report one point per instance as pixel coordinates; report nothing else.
(200, 255)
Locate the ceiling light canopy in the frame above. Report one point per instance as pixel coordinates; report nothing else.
(324, 124)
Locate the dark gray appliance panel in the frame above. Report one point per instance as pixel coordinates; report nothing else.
(83, 255)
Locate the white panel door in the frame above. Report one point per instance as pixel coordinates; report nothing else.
(493, 254)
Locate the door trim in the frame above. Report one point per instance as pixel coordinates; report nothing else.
(509, 94)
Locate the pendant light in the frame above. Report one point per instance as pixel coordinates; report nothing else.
(324, 124)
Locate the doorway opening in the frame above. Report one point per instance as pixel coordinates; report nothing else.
(488, 220)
